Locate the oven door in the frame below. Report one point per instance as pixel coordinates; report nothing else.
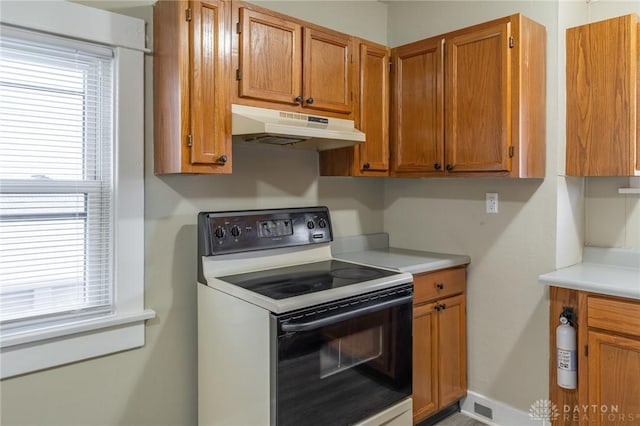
(341, 363)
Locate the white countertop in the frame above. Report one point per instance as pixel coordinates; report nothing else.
(373, 249)
(615, 272)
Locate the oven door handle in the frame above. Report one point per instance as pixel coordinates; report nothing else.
(343, 316)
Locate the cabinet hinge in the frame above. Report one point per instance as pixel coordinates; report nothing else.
(390, 66)
(238, 74)
(512, 42)
(188, 14)
(189, 141)
(586, 350)
(511, 151)
(238, 28)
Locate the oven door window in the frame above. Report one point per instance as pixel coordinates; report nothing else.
(344, 372)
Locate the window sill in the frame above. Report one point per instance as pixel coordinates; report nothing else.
(30, 351)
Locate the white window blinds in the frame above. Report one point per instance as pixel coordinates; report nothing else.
(56, 186)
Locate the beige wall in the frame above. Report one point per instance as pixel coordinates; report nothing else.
(157, 385)
(539, 226)
(612, 219)
(507, 308)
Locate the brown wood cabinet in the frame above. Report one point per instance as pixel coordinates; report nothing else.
(192, 112)
(608, 333)
(418, 108)
(370, 158)
(471, 102)
(296, 65)
(439, 341)
(603, 84)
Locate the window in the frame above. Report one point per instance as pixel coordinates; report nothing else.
(71, 185)
(55, 179)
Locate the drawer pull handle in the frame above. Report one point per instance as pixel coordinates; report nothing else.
(440, 286)
(440, 307)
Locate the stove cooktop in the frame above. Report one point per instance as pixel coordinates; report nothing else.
(291, 281)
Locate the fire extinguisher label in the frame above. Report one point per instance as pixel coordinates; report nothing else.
(567, 360)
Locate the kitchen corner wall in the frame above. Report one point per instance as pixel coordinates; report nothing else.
(157, 385)
(507, 309)
(542, 224)
(538, 228)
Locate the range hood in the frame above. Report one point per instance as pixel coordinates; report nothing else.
(292, 129)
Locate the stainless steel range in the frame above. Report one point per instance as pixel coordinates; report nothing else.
(289, 336)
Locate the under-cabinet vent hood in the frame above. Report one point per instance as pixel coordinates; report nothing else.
(303, 131)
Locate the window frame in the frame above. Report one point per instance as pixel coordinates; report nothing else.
(30, 350)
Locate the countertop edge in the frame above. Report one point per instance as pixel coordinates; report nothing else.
(430, 262)
(572, 277)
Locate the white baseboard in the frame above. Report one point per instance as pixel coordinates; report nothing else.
(503, 414)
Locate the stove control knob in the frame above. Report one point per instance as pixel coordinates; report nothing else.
(235, 230)
(311, 225)
(322, 223)
(219, 232)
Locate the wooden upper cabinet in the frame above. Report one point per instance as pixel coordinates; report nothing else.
(326, 71)
(192, 114)
(373, 107)
(370, 158)
(478, 101)
(603, 81)
(270, 57)
(417, 108)
(472, 102)
(296, 65)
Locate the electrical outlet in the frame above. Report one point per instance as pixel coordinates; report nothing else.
(492, 202)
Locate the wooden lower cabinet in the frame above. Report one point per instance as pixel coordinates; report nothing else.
(439, 341)
(608, 333)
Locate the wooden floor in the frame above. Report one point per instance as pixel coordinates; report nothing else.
(459, 419)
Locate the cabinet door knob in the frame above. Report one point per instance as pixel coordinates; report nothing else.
(309, 101)
(449, 167)
(366, 166)
(440, 286)
(437, 307)
(443, 307)
(437, 166)
(222, 159)
(299, 99)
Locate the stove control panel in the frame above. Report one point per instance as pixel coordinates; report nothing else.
(248, 230)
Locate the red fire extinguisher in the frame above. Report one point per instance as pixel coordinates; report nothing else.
(567, 362)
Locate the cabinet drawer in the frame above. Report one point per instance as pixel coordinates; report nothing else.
(616, 315)
(434, 285)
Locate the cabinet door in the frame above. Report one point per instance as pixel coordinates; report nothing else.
(425, 362)
(270, 58)
(417, 108)
(452, 349)
(327, 71)
(602, 94)
(478, 101)
(614, 374)
(373, 119)
(210, 112)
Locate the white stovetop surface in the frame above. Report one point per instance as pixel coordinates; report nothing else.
(219, 266)
(611, 271)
